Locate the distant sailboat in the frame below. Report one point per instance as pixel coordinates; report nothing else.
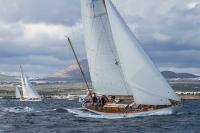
(29, 93)
(17, 93)
(119, 67)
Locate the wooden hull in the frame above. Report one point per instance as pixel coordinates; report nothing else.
(163, 111)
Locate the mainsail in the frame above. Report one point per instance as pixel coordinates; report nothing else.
(28, 91)
(118, 65)
(17, 92)
(106, 76)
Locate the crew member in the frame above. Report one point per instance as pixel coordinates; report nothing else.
(113, 99)
(94, 99)
(104, 100)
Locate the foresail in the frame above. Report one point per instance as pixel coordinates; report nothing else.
(146, 82)
(106, 76)
(17, 92)
(142, 97)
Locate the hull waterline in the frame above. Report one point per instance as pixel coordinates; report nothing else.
(163, 111)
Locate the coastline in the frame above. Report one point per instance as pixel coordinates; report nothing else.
(189, 97)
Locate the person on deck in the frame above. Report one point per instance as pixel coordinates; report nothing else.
(94, 99)
(113, 99)
(104, 100)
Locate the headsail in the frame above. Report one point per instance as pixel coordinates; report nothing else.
(106, 75)
(146, 82)
(17, 92)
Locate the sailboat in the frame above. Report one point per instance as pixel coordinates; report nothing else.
(29, 93)
(120, 69)
(17, 93)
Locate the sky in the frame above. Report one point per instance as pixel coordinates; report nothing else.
(32, 33)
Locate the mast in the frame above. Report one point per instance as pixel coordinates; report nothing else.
(20, 67)
(79, 65)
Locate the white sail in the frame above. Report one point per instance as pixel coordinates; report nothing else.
(17, 92)
(144, 79)
(23, 84)
(32, 93)
(28, 91)
(107, 79)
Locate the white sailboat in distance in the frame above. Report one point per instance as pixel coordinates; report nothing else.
(29, 93)
(125, 81)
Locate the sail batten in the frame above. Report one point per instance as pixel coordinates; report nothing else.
(137, 67)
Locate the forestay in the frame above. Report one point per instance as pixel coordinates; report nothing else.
(144, 79)
(107, 79)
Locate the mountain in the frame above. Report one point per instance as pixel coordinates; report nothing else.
(5, 78)
(72, 72)
(170, 75)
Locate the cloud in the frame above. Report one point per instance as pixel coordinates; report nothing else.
(64, 12)
(37, 44)
(192, 5)
(161, 37)
(32, 32)
(168, 30)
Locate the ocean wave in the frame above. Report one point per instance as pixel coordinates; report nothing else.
(61, 110)
(17, 109)
(87, 114)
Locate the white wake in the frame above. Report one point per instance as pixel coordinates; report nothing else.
(18, 109)
(87, 114)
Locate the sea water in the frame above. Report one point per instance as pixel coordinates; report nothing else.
(63, 116)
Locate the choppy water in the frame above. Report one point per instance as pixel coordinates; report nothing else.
(52, 116)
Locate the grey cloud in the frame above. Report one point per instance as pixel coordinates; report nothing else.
(46, 53)
(173, 19)
(37, 11)
(177, 58)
